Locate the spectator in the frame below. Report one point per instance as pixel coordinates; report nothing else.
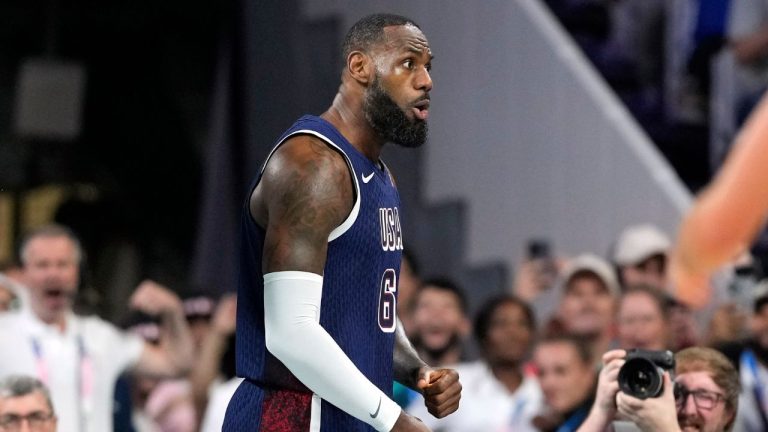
(536, 279)
(727, 324)
(704, 396)
(684, 330)
(748, 38)
(79, 357)
(162, 405)
(497, 393)
(643, 319)
(640, 256)
(25, 400)
(440, 322)
(588, 303)
(198, 310)
(11, 277)
(567, 377)
(213, 376)
(751, 359)
(439, 328)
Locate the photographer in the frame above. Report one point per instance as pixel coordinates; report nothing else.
(704, 396)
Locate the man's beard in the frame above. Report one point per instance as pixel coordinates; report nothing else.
(437, 352)
(389, 120)
(690, 420)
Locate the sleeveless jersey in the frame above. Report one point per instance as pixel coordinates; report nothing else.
(357, 308)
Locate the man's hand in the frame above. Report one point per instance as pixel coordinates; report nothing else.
(652, 414)
(409, 423)
(154, 299)
(441, 389)
(603, 409)
(608, 383)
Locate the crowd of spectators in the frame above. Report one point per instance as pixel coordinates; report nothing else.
(549, 350)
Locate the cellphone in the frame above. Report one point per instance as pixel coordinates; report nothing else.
(539, 249)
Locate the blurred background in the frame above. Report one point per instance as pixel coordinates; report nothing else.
(139, 124)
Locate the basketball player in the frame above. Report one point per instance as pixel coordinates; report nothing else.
(728, 214)
(323, 223)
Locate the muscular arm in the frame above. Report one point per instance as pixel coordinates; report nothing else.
(407, 362)
(305, 193)
(726, 217)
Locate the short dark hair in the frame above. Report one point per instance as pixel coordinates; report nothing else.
(51, 231)
(661, 299)
(22, 385)
(486, 311)
(369, 31)
(445, 284)
(578, 343)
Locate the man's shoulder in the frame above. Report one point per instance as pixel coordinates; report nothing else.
(93, 325)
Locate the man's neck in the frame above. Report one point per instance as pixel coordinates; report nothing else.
(346, 114)
(509, 375)
(58, 320)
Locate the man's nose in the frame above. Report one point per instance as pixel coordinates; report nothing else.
(689, 405)
(424, 81)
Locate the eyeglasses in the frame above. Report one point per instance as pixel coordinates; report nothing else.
(35, 420)
(704, 399)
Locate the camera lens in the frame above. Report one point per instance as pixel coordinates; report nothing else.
(640, 378)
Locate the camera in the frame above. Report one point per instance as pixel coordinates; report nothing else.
(642, 374)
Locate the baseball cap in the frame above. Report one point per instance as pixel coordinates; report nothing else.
(638, 243)
(593, 264)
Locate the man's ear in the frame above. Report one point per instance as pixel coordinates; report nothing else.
(360, 67)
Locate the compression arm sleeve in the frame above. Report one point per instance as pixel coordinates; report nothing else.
(295, 337)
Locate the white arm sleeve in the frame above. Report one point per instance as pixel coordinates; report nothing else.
(294, 336)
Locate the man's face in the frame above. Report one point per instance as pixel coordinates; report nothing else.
(641, 323)
(439, 322)
(565, 379)
(32, 407)
(587, 306)
(396, 104)
(691, 417)
(509, 335)
(51, 273)
(650, 271)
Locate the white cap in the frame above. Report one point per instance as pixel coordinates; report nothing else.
(638, 243)
(593, 264)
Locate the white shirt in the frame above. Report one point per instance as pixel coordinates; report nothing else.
(486, 405)
(81, 380)
(218, 399)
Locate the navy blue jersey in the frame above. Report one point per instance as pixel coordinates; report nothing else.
(358, 301)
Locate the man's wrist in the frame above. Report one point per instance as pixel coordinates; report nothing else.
(387, 416)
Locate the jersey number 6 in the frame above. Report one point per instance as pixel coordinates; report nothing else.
(388, 301)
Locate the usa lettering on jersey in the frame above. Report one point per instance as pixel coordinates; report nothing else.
(391, 233)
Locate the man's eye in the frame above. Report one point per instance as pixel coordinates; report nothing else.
(408, 64)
